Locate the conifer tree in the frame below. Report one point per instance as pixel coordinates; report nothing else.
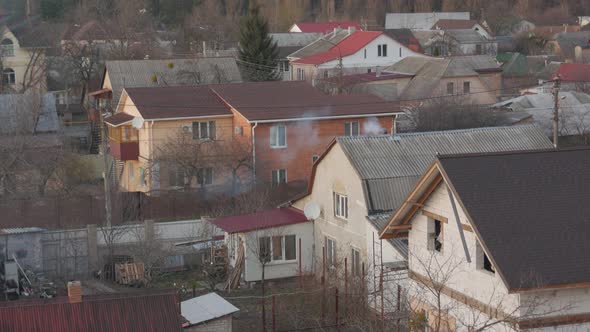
(258, 53)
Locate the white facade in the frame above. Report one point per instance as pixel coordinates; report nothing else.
(335, 175)
(275, 269)
(468, 285)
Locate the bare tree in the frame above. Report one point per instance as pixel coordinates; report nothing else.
(148, 248)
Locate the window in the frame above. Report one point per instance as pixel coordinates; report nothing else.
(450, 88)
(351, 128)
(482, 260)
(279, 176)
(277, 248)
(204, 130)
(278, 136)
(325, 74)
(300, 74)
(61, 98)
(205, 176)
(365, 53)
(466, 87)
(400, 52)
(175, 176)
(330, 251)
(382, 50)
(7, 47)
(355, 267)
(369, 71)
(8, 76)
(478, 49)
(314, 158)
(340, 206)
(435, 235)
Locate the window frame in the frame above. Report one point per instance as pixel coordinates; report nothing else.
(9, 76)
(276, 177)
(450, 88)
(382, 51)
(178, 173)
(349, 130)
(482, 260)
(210, 127)
(283, 250)
(277, 139)
(208, 176)
(355, 265)
(7, 49)
(340, 202)
(466, 87)
(435, 237)
(331, 250)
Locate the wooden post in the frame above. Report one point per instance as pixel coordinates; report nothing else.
(274, 322)
(382, 306)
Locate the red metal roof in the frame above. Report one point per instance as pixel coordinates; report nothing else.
(155, 311)
(261, 220)
(573, 72)
(350, 45)
(325, 27)
(118, 119)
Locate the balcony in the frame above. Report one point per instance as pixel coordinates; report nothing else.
(123, 143)
(124, 150)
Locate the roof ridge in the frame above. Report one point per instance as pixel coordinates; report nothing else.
(458, 131)
(514, 152)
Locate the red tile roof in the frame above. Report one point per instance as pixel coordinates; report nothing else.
(573, 72)
(325, 27)
(454, 24)
(291, 100)
(154, 311)
(177, 102)
(118, 119)
(350, 45)
(261, 220)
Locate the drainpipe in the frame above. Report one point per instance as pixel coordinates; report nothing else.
(394, 126)
(151, 125)
(254, 150)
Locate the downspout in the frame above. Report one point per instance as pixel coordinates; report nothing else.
(151, 125)
(394, 126)
(254, 150)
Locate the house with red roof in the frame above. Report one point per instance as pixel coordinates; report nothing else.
(279, 239)
(323, 27)
(354, 51)
(274, 131)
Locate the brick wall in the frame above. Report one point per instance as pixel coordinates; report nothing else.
(223, 324)
(304, 140)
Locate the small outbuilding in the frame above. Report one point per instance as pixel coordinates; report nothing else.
(209, 312)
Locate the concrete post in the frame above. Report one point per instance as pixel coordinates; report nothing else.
(149, 230)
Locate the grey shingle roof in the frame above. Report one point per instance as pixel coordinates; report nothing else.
(320, 45)
(390, 165)
(291, 42)
(173, 72)
(531, 211)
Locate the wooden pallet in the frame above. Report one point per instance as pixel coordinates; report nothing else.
(234, 278)
(128, 273)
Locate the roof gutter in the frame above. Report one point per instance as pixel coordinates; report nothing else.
(192, 117)
(328, 117)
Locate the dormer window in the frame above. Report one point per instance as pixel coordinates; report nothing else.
(7, 47)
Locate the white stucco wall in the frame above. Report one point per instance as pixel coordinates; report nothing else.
(478, 284)
(277, 270)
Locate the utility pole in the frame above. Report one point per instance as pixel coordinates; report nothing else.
(105, 173)
(557, 84)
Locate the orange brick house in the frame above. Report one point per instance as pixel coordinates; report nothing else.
(286, 125)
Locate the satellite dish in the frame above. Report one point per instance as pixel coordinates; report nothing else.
(311, 210)
(137, 122)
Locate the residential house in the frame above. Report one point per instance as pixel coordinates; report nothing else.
(574, 113)
(143, 311)
(515, 261)
(122, 74)
(281, 238)
(421, 21)
(520, 71)
(359, 181)
(355, 52)
(289, 43)
(322, 27)
(22, 46)
(209, 312)
(286, 133)
(456, 42)
(462, 25)
(565, 45)
(475, 78)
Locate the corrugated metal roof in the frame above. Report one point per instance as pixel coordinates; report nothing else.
(295, 38)
(261, 220)
(389, 165)
(320, 45)
(171, 72)
(205, 308)
(421, 21)
(21, 230)
(349, 46)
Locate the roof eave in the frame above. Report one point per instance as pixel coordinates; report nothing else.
(327, 117)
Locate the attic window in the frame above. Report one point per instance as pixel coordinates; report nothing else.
(482, 260)
(435, 235)
(7, 47)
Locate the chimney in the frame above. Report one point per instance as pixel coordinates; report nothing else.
(75, 291)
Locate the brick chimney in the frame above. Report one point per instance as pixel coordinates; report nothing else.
(75, 291)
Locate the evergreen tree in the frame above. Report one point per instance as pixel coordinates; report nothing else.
(258, 52)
